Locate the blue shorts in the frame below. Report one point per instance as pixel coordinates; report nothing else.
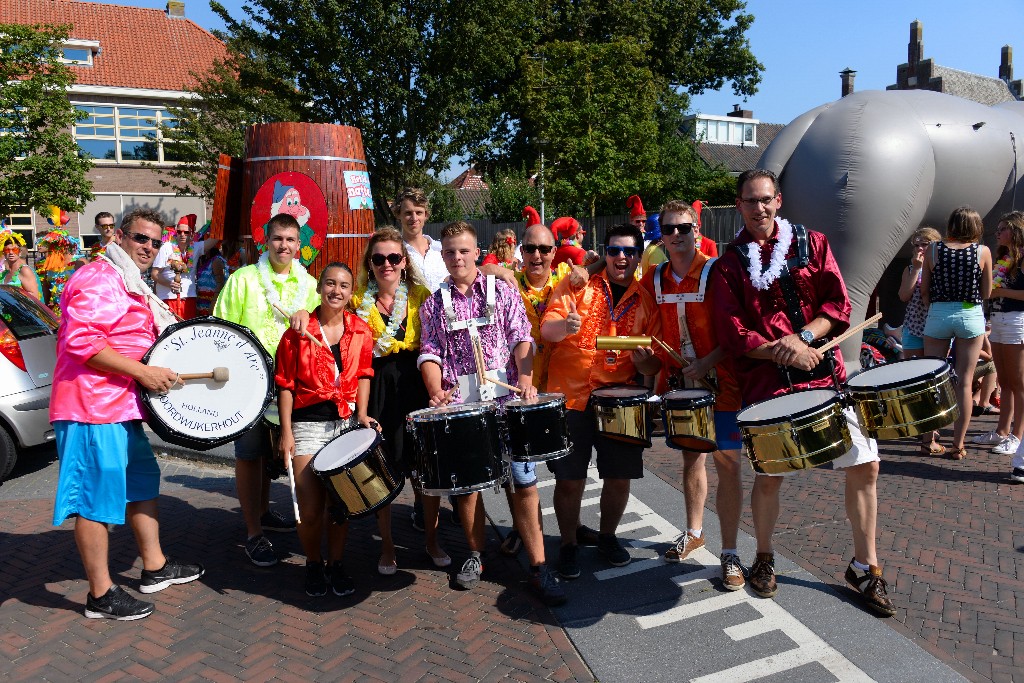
(949, 319)
(727, 432)
(524, 474)
(911, 342)
(254, 444)
(103, 468)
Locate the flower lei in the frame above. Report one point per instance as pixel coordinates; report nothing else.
(176, 252)
(296, 301)
(538, 298)
(369, 303)
(1002, 269)
(763, 279)
(569, 242)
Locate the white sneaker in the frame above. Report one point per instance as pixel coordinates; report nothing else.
(989, 439)
(1007, 446)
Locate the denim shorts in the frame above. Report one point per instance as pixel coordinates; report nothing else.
(103, 467)
(253, 444)
(911, 342)
(310, 437)
(1007, 327)
(524, 474)
(949, 319)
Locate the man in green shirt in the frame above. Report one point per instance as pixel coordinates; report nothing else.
(251, 297)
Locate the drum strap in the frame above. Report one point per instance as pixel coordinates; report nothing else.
(473, 387)
(686, 348)
(453, 319)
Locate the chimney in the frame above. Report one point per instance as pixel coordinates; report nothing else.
(847, 75)
(915, 50)
(1006, 64)
(740, 113)
(175, 9)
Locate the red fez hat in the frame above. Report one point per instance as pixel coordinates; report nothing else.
(565, 227)
(189, 220)
(697, 207)
(635, 206)
(531, 216)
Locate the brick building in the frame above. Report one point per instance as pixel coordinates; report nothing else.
(130, 63)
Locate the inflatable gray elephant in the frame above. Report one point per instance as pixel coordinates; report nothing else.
(869, 169)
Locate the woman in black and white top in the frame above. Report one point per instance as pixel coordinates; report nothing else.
(957, 277)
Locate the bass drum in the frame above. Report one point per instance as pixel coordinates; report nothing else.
(204, 413)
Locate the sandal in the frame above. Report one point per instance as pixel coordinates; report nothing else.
(958, 453)
(934, 449)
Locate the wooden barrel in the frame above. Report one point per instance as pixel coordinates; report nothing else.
(225, 224)
(287, 164)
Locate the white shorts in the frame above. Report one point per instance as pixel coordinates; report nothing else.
(1007, 327)
(864, 450)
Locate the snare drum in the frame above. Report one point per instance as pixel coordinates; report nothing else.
(689, 416)
(457, 448)
(905, 398)
(622, 414)
(537, 429)
(356, 472)
(794, 432)
(205, 413)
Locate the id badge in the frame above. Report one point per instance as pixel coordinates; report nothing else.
(611, 359)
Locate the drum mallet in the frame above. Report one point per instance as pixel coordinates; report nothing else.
(850, 332)
(305, 333)
(295, 500)
(502, 384)
(218, 375)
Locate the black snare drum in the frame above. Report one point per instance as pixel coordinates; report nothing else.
(537, 429)
(457, 448)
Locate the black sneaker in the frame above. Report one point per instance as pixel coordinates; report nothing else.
(341, 583)
(568, 565)
(1017, 475)
(171, 573)
(512, 544)
(316, 579)
(275, 521)
(260, 551)
(545, 586)
(612, 550)
(586, 536)
(417, 516)
(469, 577)
(116, 603)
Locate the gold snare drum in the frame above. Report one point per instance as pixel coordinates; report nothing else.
(904, 399)
(689, 416)
(794, 432)
(621, 414)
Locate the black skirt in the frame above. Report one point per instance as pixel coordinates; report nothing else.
(396, 390)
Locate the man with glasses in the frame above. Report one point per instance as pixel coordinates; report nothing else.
(106, 227)
(611, 303)
(637, 215)
(771, 341)
(174, 270)
(107, 469)
(679, 287)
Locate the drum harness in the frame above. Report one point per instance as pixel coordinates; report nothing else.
(796, 314)
(680, 300)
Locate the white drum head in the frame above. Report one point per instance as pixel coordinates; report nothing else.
(621, 392)
(784, 406)
(895, 373)
(344, 449)
(205, 409)
(541, 400)
(685, 394)
(453, 410)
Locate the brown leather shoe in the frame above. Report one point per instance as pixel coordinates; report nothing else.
(762, 575)
(732, 572)
(683, 546)
(872, 586)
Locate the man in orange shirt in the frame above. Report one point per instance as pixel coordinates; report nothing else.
(611, 303)
(679, 287)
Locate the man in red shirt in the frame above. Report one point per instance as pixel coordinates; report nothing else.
(755, 326)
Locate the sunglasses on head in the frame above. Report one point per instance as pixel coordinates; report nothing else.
(615, 252)
(379, 259)
(139, 238)
(672, 228)
(542, 248)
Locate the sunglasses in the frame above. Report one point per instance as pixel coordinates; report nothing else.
(615, 252)
(379, 259)
(671, 228)
(542, 248)
(139, 238)
(184, 232)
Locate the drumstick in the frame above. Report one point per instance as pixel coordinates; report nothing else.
(850, 332)
(295, 500)
(304, 332)
(683, 362)
(218, 375)
(502, 384)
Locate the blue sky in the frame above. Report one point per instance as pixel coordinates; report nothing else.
(804, 44)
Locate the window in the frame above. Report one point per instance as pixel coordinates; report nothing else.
(77, 56)
(20, 221)
(124, 133)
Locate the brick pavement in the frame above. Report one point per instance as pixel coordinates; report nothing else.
(243, 622)
(951, 539)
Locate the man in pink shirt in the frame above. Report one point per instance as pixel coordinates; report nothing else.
(106, 463)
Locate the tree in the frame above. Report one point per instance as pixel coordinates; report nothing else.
(39, 161)
(508, 195)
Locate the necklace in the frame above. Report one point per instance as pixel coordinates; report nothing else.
(614, 319)
(295, 301)
(763, 279)
(537, 296)
(398, 307)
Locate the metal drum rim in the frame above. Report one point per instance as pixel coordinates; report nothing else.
(790, 417)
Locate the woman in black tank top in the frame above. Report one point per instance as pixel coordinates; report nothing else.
(957, 277)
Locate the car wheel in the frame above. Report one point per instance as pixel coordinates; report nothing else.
(8, 454)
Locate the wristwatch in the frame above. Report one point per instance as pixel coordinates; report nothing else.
(806, 336)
